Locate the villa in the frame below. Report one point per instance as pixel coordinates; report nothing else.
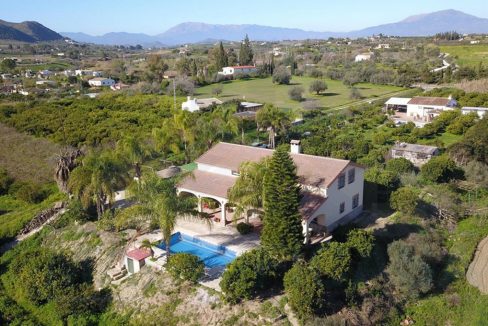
(332, 189)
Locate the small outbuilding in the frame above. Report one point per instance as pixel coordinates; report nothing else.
(135, 259)
(415, 153)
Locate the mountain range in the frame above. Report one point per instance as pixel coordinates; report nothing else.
(193, 32)
(28, 31)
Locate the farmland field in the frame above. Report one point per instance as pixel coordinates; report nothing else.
(264, 91)
(467, 55)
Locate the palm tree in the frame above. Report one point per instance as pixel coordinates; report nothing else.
(66, 162)
(134, 150)
(275, 120)
(146, 244)
(158, 200)
(96, 180)
(226, 121)
(247, 192)
(167, 138)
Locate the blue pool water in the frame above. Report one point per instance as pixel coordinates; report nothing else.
(211, 255)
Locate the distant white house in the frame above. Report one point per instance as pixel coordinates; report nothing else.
(92, 73)
(46, 82)
(100, 81)
(363, 57)
(419, 110)
(481, 112)
(429, 107)
(44, 73)
(244, 70)
(383, 46)
(194, 105)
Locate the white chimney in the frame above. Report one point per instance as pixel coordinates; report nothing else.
(188, 98)
(295, 147)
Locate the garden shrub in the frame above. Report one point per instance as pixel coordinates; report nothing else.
(361, 242)
(244, 228)
(440, 169)
(185, 266)
(408, 272)
(400, 165)
(332, 260)
(281, 76)
(5, 182)
(304, 290)
(296, 93)
(249, 274)
(28, 192)
(404, 200)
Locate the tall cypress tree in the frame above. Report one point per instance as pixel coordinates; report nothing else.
(245, 52)
(282, 233)
(220, 56)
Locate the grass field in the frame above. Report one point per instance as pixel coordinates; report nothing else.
(467, 55)
(264, 91)
(25, 157)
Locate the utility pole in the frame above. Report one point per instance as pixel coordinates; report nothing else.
(174, 93)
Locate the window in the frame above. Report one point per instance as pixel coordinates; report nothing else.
(355, 201)
(342, 180)
(342, 207)
(351, 175)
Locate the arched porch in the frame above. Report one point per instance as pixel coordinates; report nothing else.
(220, 214)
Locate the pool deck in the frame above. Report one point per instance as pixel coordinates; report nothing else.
(215, 233)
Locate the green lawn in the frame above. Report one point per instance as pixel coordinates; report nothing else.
(263, 90)
(467, 55)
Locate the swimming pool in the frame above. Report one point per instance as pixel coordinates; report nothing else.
(211, 255)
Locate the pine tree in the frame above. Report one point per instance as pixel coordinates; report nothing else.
(245, 53)
(282, 233)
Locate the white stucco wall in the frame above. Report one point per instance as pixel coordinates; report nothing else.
(421, 110)
(331, 215)
(190, 105)
(137, 266)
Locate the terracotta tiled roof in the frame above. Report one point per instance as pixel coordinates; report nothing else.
(243, 67)
(138, 254)
(437, 101)
(208, 183)
(309, 203)
(312, 170)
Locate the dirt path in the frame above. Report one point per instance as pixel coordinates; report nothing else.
(477, 274)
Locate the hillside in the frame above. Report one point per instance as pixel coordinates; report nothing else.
(28, 31)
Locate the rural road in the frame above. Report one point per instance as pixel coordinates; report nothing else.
(477, 274)
(365, 101)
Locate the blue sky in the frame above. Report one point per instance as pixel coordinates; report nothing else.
(152, 16)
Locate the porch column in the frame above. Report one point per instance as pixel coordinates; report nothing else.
(223, 213)
(199, 204)
(306, 232)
